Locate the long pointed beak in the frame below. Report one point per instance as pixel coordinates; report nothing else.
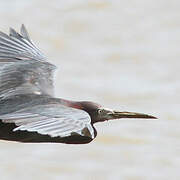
(107, 114)
(118, 115)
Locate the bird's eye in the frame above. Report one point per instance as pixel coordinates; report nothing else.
(100, 111)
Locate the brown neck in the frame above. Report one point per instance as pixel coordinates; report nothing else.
(73, 104)
(89, 107)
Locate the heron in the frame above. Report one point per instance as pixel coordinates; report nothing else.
(29, 111)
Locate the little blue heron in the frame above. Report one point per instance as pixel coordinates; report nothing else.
(29, 112)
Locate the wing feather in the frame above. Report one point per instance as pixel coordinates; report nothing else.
(24, 33)
(53, 120)
(23, 67)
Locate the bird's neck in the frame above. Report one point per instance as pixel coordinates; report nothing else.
(73, 104)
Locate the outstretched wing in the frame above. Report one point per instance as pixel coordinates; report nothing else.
(23, 68)
(54, 120)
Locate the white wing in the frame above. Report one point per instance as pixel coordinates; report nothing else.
(54, 120)
(23, 68)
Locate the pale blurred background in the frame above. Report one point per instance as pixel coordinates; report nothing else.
(122, 54)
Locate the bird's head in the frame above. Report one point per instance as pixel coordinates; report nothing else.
(100, 114)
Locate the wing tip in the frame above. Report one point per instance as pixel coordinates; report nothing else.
(14, 33)
(24, 32)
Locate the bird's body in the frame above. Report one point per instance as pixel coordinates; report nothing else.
(29, 112)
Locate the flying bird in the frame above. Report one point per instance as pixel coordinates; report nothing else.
(29, 112)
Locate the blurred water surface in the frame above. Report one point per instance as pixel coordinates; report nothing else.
(123, 54)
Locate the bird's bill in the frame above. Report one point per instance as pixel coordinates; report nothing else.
(106, 114)
(118, 115)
